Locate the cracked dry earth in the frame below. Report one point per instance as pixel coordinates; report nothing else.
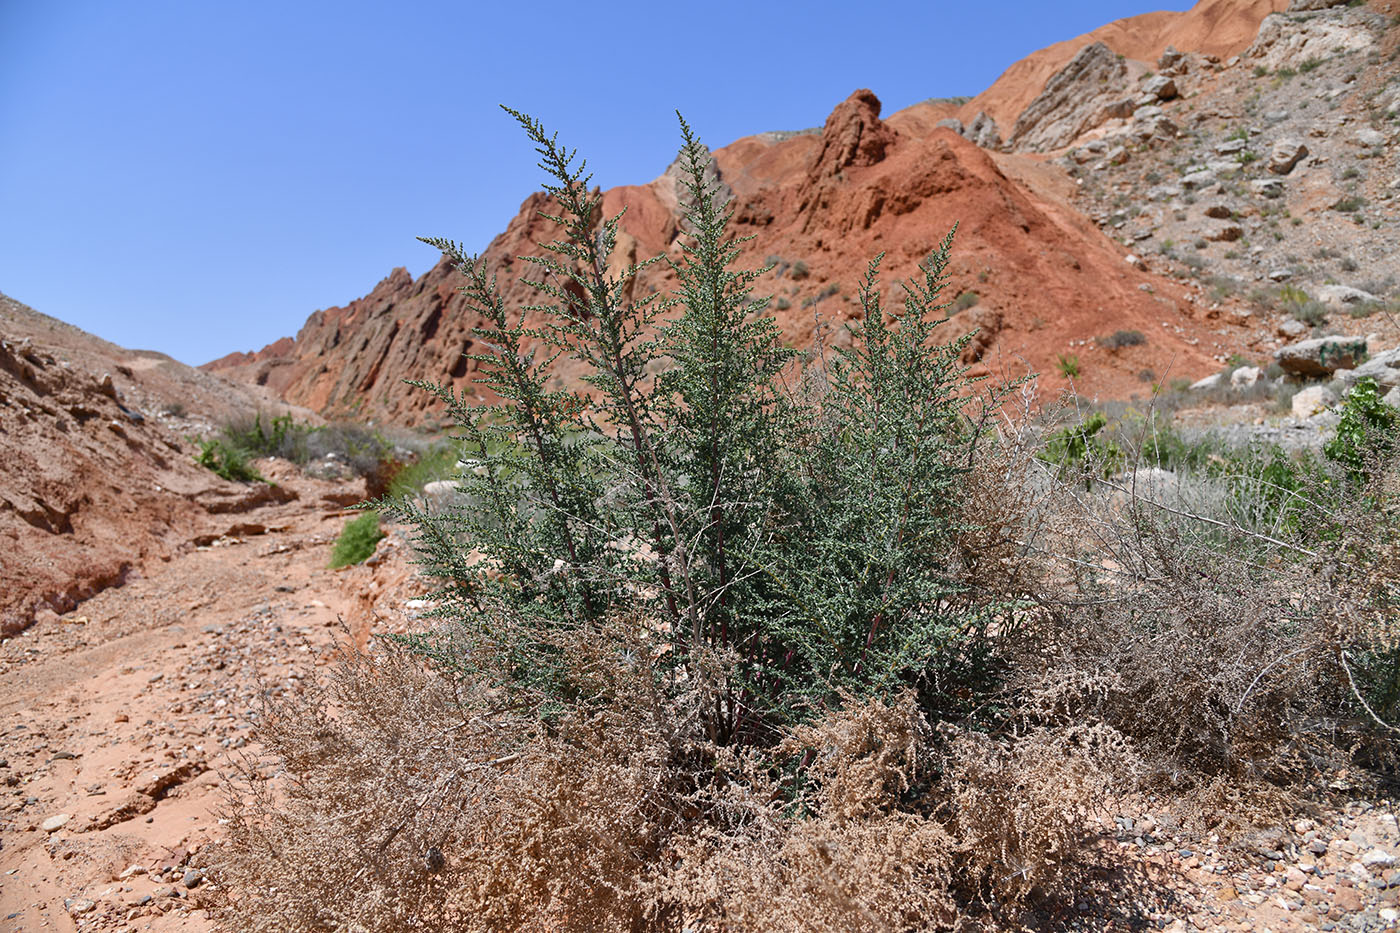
(121, 718)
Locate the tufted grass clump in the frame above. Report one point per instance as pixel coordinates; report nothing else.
(357, 540)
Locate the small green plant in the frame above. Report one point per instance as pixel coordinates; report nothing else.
(227, 460)
(1260, 71)
(799, 271)
(964, 301)
(1068, 365)
(1349, 204)
(357, 540)
(436, 463)
(1368, 428)
(1300, 306)
(1310, 65)
(1081, 448)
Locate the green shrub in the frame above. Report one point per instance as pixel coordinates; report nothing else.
(1299, 305)
(1122, 338)
(965, 300)
(1081, 449)
(1349, 204)
(227, 460)
(436, 463)
(1367, 429)
(803, 538)
(1068, 365)
(357, 540)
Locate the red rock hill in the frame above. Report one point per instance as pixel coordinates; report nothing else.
(1046, 277)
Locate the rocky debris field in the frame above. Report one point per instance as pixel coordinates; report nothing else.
(1269, 183)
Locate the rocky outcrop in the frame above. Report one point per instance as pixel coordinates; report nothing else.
(1321, 356)
(1286, 154)
(833, 201)
(982, 130)
(1092, 88)
(1284, 42)
(854, 135)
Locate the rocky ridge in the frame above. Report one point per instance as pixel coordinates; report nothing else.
(1046, 285)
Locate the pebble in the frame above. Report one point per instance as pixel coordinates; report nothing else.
(1378, 858)
(192, 878)
(54, 823)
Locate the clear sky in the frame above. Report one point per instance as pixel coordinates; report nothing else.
(197, 177)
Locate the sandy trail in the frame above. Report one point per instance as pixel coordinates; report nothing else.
(119, 718)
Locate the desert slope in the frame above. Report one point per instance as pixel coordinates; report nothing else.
(98, 478)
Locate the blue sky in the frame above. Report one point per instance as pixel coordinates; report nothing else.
(198, 177)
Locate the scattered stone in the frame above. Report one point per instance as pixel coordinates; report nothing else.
(1378, 858)
(1369, 137)
(1341, 296)
(1209, 382)
(1231, 146)
(1312, 401)
(1199, 181)
(1286, 154)
(1219, 211)
(1383, 367)
(1321, 356)
(78, 905)
(1223, 232)
(1291, 328)
(1245, 376)
(54, 823)
(1135, 261)
(130, 871)
(1161, 87)
(192, 878)
(1267, 187)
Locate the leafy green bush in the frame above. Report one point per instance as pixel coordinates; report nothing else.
(1299, 305)
(965, 300)
(1367, 429)
(1068, 365)
(1080, 448)
(438, 462)
(357, 540)
(227, 460)
(802, 538)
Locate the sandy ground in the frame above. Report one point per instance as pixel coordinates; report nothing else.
(121, 718)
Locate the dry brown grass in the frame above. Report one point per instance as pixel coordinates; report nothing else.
(1153, 652)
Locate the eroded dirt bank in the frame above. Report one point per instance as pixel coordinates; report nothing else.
(122, 718)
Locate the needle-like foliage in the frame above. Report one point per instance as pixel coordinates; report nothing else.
(806, 541)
